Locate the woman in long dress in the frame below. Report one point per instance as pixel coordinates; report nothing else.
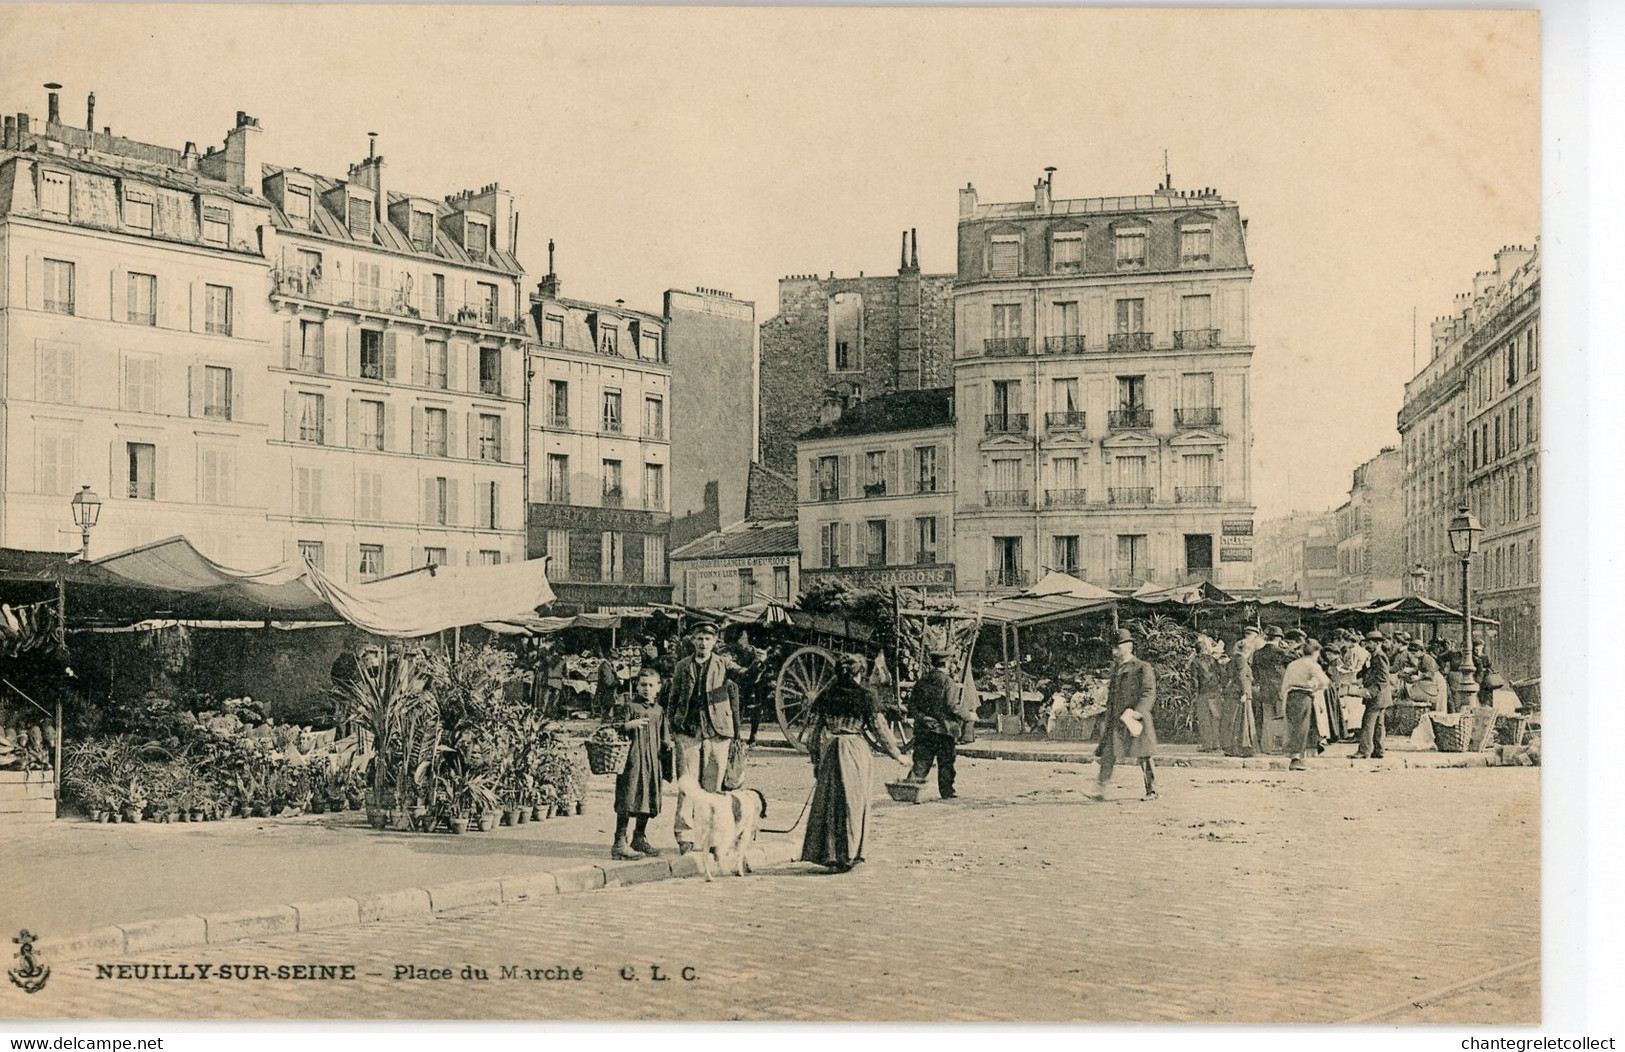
(1238, 731)
(838, 817)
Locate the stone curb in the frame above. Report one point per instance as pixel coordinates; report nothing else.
(1417, 762)
(169, 933)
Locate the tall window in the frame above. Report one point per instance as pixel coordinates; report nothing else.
(55, 193)
(875, 477)
(217, 470)
(1131, 392)
(1131, 315)
(487, 302)
(612, 411)
(216, 225)
(1131, 248)
(1064, 316)
(612, 483)
(1066, 253)
(654, 418)
(370, 567)
(369, 496)
(1006, 320)
(141, 383)
(217, 310)
(142, 460)
(435, 366)
(311, 351)
(491, 370)
(313, 553)
(490, 557)
(434, 557)
(1064, 394)
(307, 491)
(370, 424)
(1066, 553)
(925, 475)
(372, 354)
(1006, 399)
(558, 403)
(556, 546)
(1196, 392)
(59, 286)
(558, 480)
(925, 539)
(829, 478)
(553, 330)
(1005, 257)
(440, 296)
(490, 437)
(358, 216)
(312, 417)
(649, 347)
(1512, 428)
(1529, 420)
(1007, 561)
(487, 496)
(440, 501)
(1066, 473)
(829, 544)
(1133, 553)
(609, 339)
(875, 548)
(654, 487)
(141, 299)
(1195, 246)
(613, 560)
(435, 430)
(1198, 468)
(217, 392)
(1130, 472)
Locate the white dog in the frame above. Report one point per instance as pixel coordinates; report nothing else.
(722, 824)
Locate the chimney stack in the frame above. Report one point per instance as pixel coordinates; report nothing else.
(549, 285)
(902, 253)
(967, 201)
(90, 113)
(53, 104)
(914, 250)
(10, 140)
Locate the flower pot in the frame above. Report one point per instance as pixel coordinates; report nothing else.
(581, 807)
(510, 818)
(198, 815)
(261, 810)
(318, 807)
(562, 810)
(98, 816)
(536, 813)
(377, 819)
(132, 814)
(244, 810)
(522, 816)
(488, 821)
(112, 817)
(458, 823)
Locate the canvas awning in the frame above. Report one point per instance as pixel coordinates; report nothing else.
(1057, 583)
(1024, 610)
(436, 598)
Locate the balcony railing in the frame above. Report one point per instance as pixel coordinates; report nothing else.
(1196, 494)
(1128, 342)
(1195, 339)
(1008, 498)
(654, 502)
(1129, 419)
(1199, 416)
(874, 489)
(1132, 577)
(1065, 498)
(1070, 420)
(1007, 423)
(558, 420)
(829, 493)
(1008, 578)
(1006, 346)
(59, 306)
(402, 301)
(611, 425)
(1131, 494)
(925, 558)
(491, 385)
(1064, 345)
(613, 497)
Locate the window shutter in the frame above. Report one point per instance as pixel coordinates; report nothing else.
(160, 472)
(860, 544)
(344, 357)
(195, 315)
(472, 422)
(510, 453)
(119, 470)
(352, 423)
(945, 479)
(454, 432)
(287, 344)
(417, 429)
(427, 509)
(456, 359)
(845, 472)
(194, 387)
(846, 543)
(605, 554)
(893, 541)
(391, 339)
(823, 544)
(910, 472)
(390, 440)
(330, 411)
(906, 551)
(420, 353)
(453, 511)
(290, 415)
(893, 484)
(812, 483)
(118, 287)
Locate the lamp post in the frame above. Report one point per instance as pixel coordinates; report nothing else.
(1419, 578)
(1464, 530)
(87, 508)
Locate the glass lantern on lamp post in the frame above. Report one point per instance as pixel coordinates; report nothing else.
(87, 508)
(1464, 533)
(1419, 579)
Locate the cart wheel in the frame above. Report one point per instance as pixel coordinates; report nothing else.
(805, 675)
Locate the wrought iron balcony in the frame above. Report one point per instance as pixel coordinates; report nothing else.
(1196, 494)
(1064, 345)
(1132, 577)
(1006, 346)
(875, 489)
(1130, 494)
(613, 497)
(401, 301)
(1195, 339)
(1128, 342)
(1199, 416)
(1065, 498)
(925, 558)
(829, 492)
(1129, 419)
(1008, 578)
(1007, 423)
(1008, 498)
(1069, 420)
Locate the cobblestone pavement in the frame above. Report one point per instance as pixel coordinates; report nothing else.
(1238, 896)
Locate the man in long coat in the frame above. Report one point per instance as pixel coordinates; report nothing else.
(1133, 687)
(936, 726)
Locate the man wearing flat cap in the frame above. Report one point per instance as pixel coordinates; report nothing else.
(1129, 733)
(703, 704)
(1378, 681)
(936, 726)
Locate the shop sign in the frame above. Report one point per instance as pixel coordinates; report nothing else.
(1235, 554)
(1238, 527)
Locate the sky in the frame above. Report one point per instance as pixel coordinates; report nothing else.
(1381, 157)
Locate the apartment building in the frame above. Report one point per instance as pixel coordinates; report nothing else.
(135, 333)
(1296, 558)
(712, 337)
(1471, 435)
(877, 492)
(399, 368)
(1371, 532)
(1102, 383)
(600, 450)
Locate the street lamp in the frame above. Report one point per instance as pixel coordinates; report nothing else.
(1419, 579)
(1464, 530)
(87, 508)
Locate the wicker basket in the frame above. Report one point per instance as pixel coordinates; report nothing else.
(1509, 730)
(1450, 731)
(608, 757)
(1403, 717)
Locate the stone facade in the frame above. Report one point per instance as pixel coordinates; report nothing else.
(1371, 532)
(1297, 558)
(715, 386)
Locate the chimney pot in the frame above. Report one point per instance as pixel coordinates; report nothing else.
(90, 112)
(53, 103)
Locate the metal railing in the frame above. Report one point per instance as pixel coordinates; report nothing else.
(1132, 577)
(1128, 342)
(1198, 416)
(1008, 498)
(1196, 494)
(1130, 494)
(874, 489)
(1068, 420)
(1125, 419)
(1006, 346)
(614, 496)
(1065, 498)
(1195, 339)
(558, 420)
(1008, 578)
(925, 558)
(1064, 345)
(1006, 423)
(56, 306)
(611, 425)
(829, 493)
(491, 385)
(402, 301)
(654, 502)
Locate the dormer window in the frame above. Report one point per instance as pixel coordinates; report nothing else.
(54, 193)
(422, 232)
(1195, 245)
(1066, 253)
(1131, 247)
(138, 211)
(477, 238)
(358, 217)
(296, 203)
(216, 225)
(1004, 259)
